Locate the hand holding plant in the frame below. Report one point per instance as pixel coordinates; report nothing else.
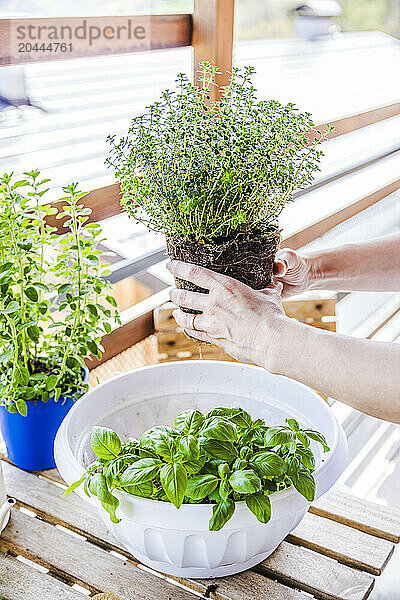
(215, 176)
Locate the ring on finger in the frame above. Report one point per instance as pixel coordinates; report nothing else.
(193, 324)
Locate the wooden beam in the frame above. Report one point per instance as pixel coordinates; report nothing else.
(354, 122)
(137, 324)
(318, 228)
(213, 38)
(89, 36)
(104, 202)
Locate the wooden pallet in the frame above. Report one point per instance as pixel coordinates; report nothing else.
(315, 309)
(333, 554)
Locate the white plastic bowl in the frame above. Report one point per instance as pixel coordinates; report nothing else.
(178, 542)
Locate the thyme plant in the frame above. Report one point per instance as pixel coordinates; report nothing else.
(219, 458)
(206, 170)
(53, 297)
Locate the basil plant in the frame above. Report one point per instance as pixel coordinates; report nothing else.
(219, 458)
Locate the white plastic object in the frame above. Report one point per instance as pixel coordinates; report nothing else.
(5, 503)
(178, 542)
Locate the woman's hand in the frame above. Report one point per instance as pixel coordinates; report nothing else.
(294, 271)
(242, 321)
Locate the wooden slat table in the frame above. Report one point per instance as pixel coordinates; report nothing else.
(334, 554)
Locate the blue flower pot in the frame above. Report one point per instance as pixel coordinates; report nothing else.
(30, 440)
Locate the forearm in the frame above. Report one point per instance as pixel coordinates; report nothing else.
(360, 373)
(370, 266)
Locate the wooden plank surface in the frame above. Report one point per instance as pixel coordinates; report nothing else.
(45, 498)
(110, 35)
(305, 309)
(382, 521)
(175, 345)
(309, 571)
(21, 582)
(349, 546)
(82, 562)
(345, 544)
(316, 574)
(245, 586)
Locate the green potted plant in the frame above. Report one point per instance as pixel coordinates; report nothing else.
(215, 176)
(53, 312)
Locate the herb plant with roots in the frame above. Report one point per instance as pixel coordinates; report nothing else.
(203, 170)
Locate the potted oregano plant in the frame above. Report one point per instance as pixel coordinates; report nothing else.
(215, 176)
(54, 309)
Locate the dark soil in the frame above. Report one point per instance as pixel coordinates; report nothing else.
(249, 258)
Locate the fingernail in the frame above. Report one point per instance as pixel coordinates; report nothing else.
(169, 265)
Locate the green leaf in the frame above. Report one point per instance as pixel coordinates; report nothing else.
(218, 428)
(224, 490)
(32, 294)
(22, 375)
(33, 332)
(141, 471)
(10, 308)
(6, 266)
(189, 446)
(241, 418)
(161, 440)
(22, 407)
(222, 512)
(275, 436)
(25, 245)
(194, 466)
(173, 479)
(268, 464)
(219, 411)
(317, 437)
(92, 309)
(220, 450)
(105, 442)
(260, 506)
(304, 483)
(224, 470)
(200, 486)
(306, 457)
(93, 348)
(293, 424)
(245, 482)
(303, 439)
(63, 288)
(98, 487)
(143, 490)
(292, 464)
(74, 485)
(189, 421)
(51, 382)
(111, 300)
